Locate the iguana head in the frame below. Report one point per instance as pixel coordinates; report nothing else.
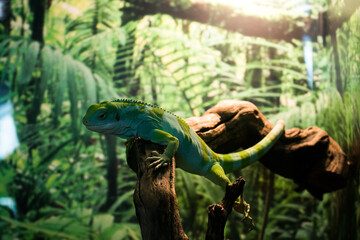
(103, 118)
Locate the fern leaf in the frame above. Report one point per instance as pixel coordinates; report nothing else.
(60, 84)
(73, 94)
(30, 59)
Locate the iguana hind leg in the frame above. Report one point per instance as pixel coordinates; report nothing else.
(217, 175)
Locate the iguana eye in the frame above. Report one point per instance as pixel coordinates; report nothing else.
(101, 116)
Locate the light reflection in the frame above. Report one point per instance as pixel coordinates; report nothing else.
(8, 137)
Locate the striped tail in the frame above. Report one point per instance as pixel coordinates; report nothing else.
(239, 160)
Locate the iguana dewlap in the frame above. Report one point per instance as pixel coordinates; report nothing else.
(131, 118)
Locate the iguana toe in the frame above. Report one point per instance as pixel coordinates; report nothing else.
(157, 160)
(244, 208)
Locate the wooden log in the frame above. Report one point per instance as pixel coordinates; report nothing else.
(154, 197)
(310, 157)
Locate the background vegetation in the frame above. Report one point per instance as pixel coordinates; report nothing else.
(88, 51)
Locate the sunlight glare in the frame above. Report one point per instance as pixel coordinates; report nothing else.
(265, 8)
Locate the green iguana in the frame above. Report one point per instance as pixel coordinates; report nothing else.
(131, 118)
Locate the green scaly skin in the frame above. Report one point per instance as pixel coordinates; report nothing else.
(131, 118)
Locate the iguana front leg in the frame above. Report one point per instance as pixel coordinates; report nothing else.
(163, 138)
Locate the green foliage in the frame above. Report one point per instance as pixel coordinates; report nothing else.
(57, 176)
(6, 176)
(54, 157)
(195, 194)
(59, 73)
(181, 64)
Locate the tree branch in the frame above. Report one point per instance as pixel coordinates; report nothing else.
(218, 213)
(310, 157)
(231, 19)
(154, 197)
(222, 16)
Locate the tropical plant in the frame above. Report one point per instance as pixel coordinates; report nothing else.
(93, 52)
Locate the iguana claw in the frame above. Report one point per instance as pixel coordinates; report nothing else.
(158, 160)
(244, 208)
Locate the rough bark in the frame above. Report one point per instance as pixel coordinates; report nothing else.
(154, 197)
(218, 213)
(310, 157)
